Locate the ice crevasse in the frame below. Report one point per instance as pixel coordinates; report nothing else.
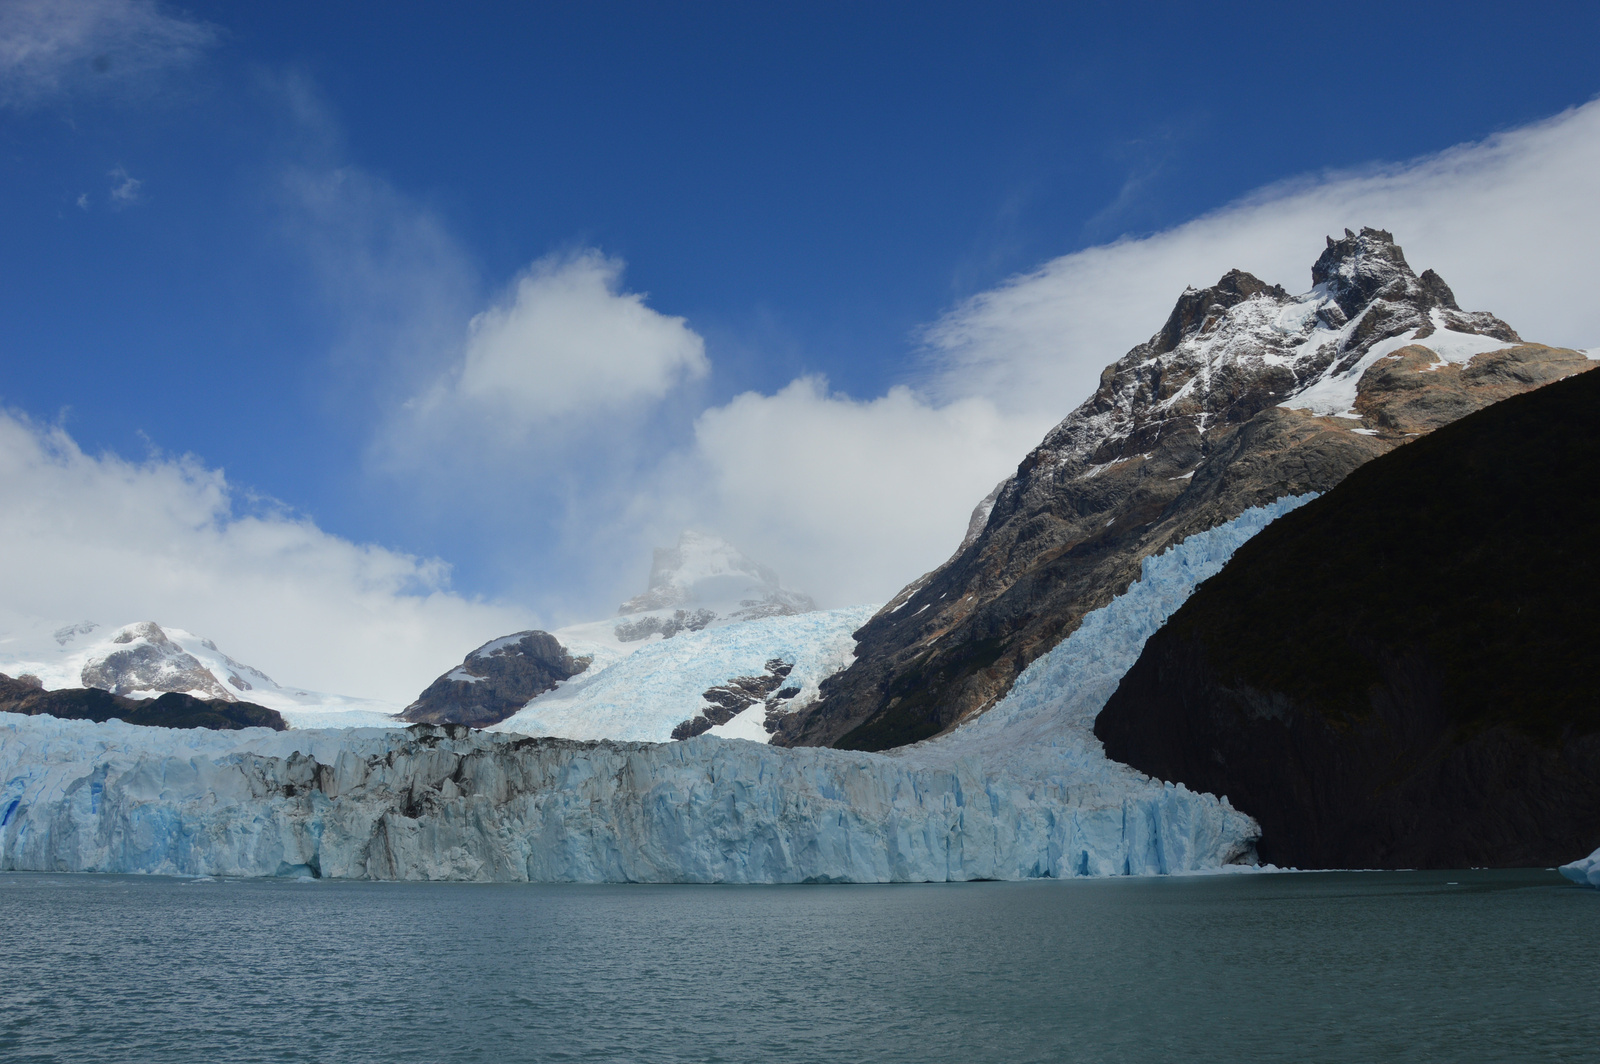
(1023, 791)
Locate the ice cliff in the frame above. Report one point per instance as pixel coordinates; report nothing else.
(1023, 791)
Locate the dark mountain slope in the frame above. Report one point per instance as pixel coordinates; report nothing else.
(495, 681)
(171, 710)
(1403, 672)
(1245, 395)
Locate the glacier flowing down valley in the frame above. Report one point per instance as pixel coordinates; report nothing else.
(1023, 791)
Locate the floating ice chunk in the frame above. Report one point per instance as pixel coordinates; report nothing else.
(1585, 872)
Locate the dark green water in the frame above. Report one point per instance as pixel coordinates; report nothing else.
(1501, 966)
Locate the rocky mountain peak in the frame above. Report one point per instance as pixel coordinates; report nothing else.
(1199, 306)
(1246, 395)
(704, 577)
(1362, 268)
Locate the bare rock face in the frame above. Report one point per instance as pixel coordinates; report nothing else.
(1400, 674)
(726, 701)
(1246, 394)
(26, 695)
(495, 681)
(149, 661)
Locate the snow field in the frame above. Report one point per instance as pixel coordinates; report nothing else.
(643, 696)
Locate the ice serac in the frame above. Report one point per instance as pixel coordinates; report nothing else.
(1246, 394)
(1024, 791)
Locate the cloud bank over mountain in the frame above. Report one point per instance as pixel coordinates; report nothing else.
(168, 539)
(1509, 221)
(575, 422)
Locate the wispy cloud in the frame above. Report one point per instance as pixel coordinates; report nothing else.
(55, 48)
(1510, 222)
(124, 189)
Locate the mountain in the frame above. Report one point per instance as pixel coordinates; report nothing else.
(715, 643)
(496, 680)
(171, 710)
(1401, 674)
(1245, 395)
(1023, 791)
(146, 661)
(704, 581)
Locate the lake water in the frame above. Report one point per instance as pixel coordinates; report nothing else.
(1499, 966)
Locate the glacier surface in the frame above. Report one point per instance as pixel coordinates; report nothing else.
(643, 696)
(1023, 791)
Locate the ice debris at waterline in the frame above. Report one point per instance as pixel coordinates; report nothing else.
(1022, 792)
(1585, 872)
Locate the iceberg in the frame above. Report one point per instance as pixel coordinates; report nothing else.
(1024, 791)
(1585, 872)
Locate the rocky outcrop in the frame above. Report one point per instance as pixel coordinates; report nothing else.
(666, 627)
(495, 681)
(1401, 674)
(26, 695)
(1246, 394)
(728, 700)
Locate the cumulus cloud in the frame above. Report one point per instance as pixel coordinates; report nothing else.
(559, 414)
(850, 499)
(565, 343)
(170, 540)
(52, 48)
(1510, 222)
(124, 188)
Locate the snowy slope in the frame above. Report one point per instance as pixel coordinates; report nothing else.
(642, 696)
(710, 616)
(146, 660)
(1024, 791)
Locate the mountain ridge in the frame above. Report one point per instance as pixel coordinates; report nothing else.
(1244, 395)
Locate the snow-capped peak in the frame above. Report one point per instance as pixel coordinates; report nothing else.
(146, 660)
(1241, 345)
(703, 572)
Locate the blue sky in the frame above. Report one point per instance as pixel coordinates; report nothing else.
(245, 245)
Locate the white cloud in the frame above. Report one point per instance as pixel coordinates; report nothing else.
(565, 344)
(115, 541)
(1510, 222)
(851, 499)
(50, 48)
(124, 188)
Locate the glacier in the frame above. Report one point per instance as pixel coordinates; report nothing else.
(643, 696)
(1023, 791)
